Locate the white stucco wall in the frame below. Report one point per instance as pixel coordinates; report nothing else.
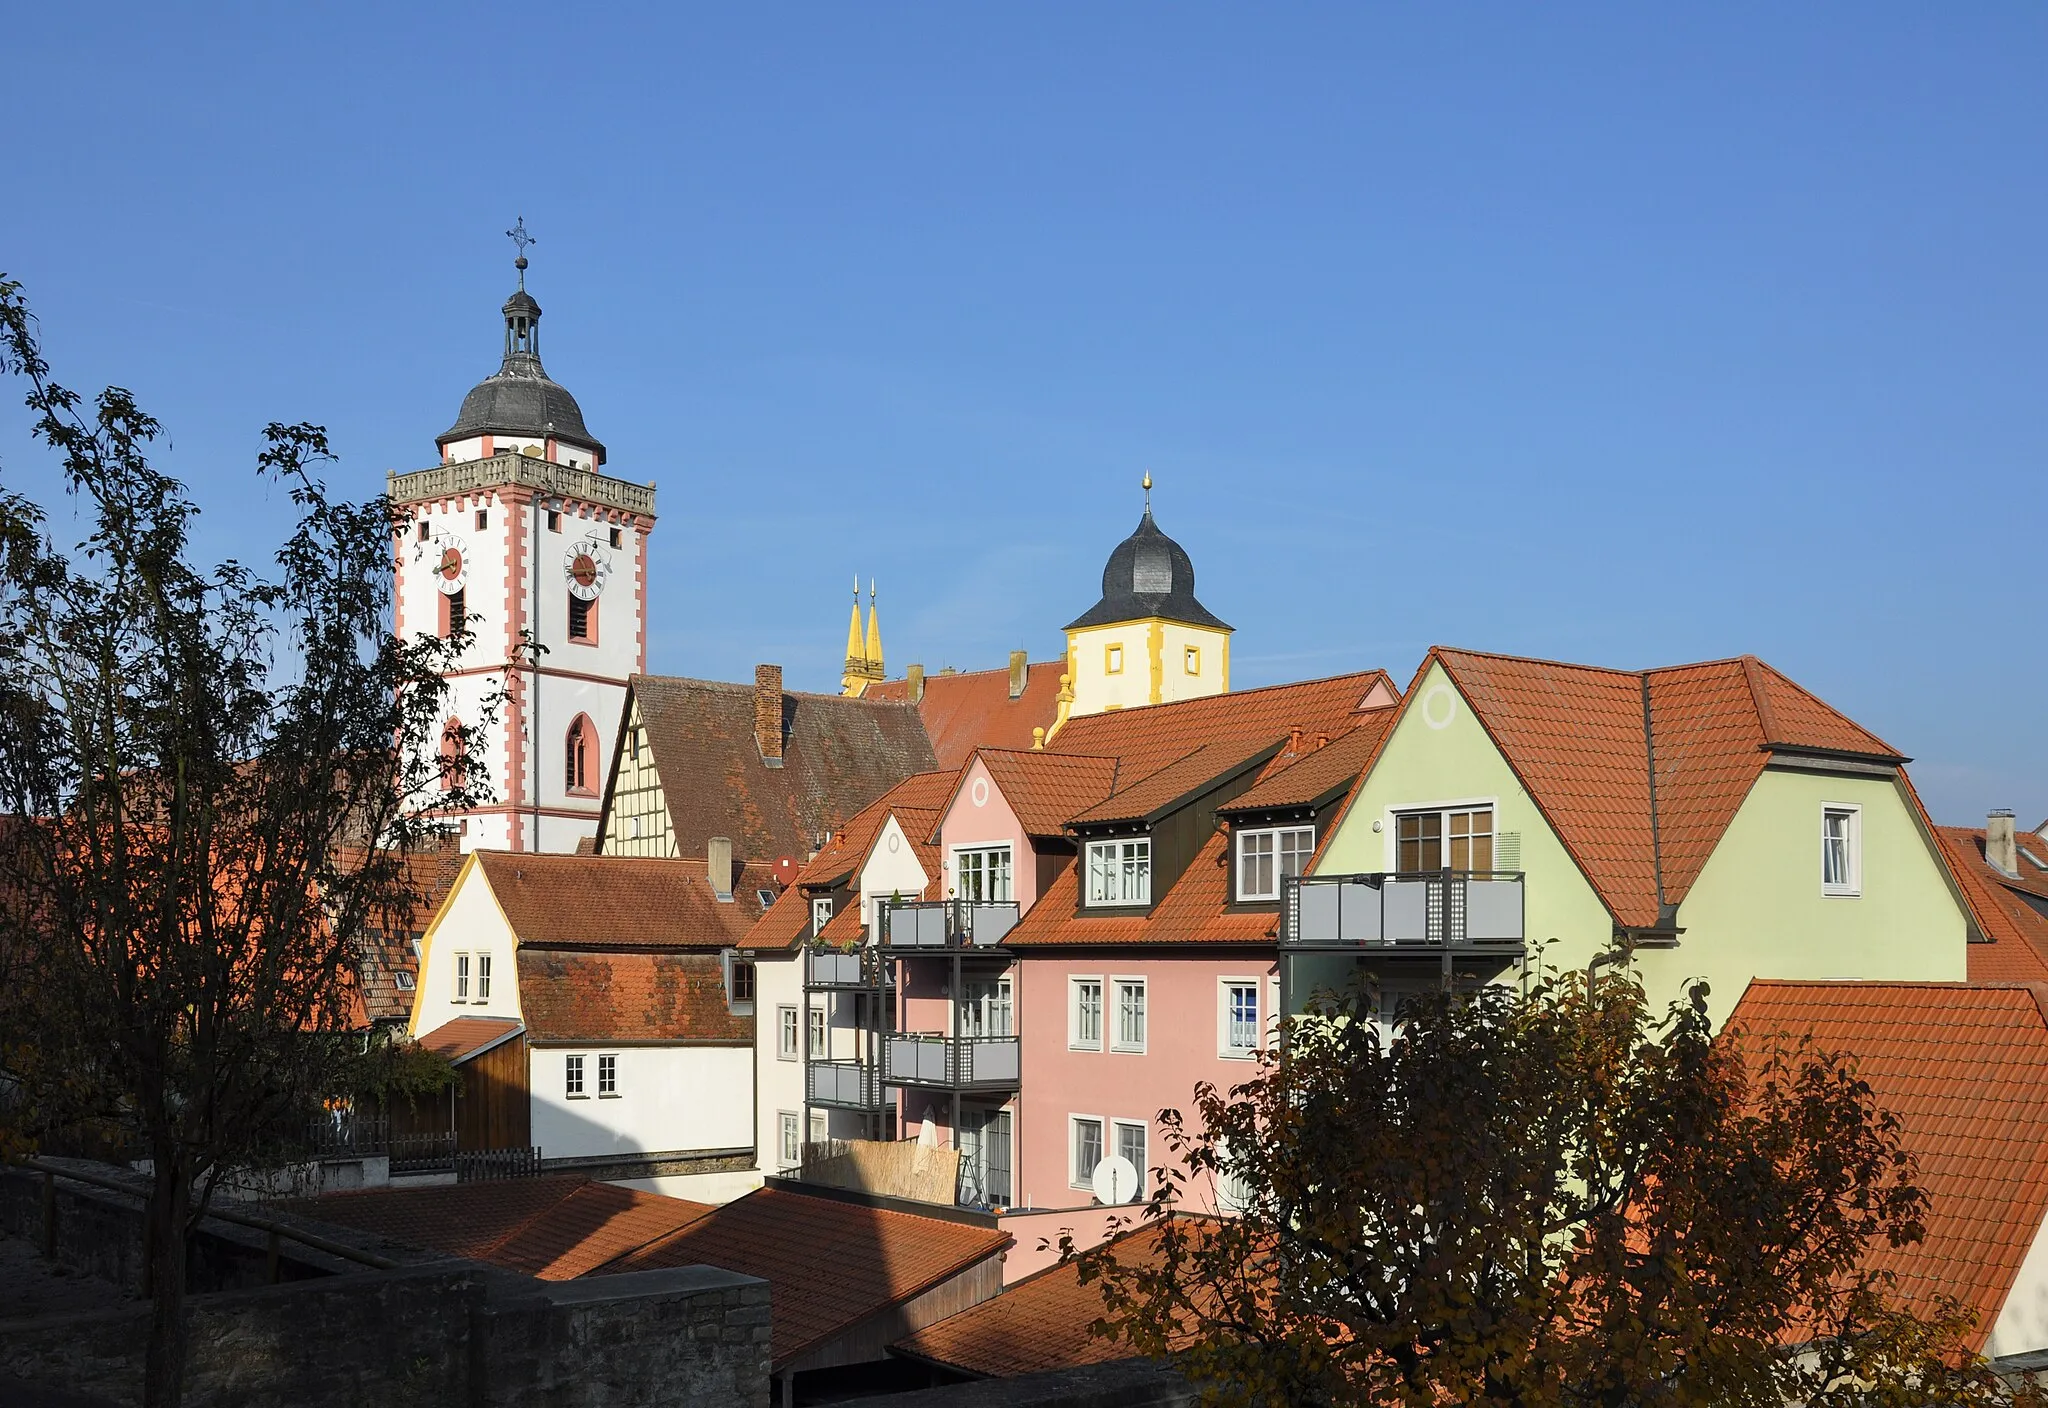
(778, 982)
(670, 1098)
(469, 922)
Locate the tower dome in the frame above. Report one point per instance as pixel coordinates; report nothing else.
(520, 399)
(1148, 575)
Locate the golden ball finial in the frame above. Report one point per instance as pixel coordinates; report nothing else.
(1146, 482)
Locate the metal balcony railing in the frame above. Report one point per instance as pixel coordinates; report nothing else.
(845, 1085)
(860, 969)
(931, 926)
(951, 1062)
(1432, 910)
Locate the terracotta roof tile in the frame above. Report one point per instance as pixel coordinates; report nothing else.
(2018, 933)
(1145, 795)
(1195, 910)
(1046, 789)
(963, 712)
(1965, 1069)
(464, 1037)
(569, 995)
(828, 1264)
(1311, 778)
(1795, 718)
(597, 1223)
(1709, 744)
(1147, 739)
(1039, 1323)
(388, 966)
(838, 756)
(621, 901)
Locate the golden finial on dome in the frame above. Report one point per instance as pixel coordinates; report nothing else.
(1147, 483)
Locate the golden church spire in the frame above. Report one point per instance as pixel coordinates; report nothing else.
(853, 680)
(874, 646)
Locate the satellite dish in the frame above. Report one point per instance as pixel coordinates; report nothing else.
(785, 871)
(1115, 1181)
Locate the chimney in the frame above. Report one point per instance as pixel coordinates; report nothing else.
(718, 866)
(915, 675)
(1293, 741)
(1018, 669)
(2000, 847)
(767, 718)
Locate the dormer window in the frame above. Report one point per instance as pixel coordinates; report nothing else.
(821, 913)
(1266, 858)
(1120, 871)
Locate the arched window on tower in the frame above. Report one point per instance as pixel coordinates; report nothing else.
(579, 758)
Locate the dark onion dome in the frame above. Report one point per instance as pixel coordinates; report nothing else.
(520, 399)
(1149, 574)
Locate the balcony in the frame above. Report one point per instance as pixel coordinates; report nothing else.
(862, 970)
(846, 1085)
(941, 926)
(1436, 911)
(951, 1062)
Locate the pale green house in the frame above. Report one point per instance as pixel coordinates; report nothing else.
(1716, 817)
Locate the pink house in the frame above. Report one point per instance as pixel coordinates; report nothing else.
(1108, 936)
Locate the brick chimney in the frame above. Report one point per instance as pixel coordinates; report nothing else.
(1019, 669)
(718, 867)
(768, 715)
(2000, 846)
(915, 677)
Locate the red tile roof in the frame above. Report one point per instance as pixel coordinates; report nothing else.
(829, 1264)
(1046, 789)
(1195, 910)
(620, 901)
(388, 966)
(1311, 778)
(963, 712)
(556, 1227)
(464, 1037)
(1038, 1323)
(1965, 1069)
(1147, 795)
(574, 995)
(2018, 933)
(1147, 739)
(838, 756)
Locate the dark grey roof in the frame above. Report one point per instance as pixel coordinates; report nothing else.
(1149, 574)
(520, 399)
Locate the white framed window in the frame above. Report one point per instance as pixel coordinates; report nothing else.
(987, 1008)
(821, 913)
(1084, 1014)
(791, 1135)
(1129, 1032)
(818, 1047)
(1084, 1140)
(1270, 855)
(462, 977)
(483, 977)
(608, 1075)
(981, 874)
(572, 1077)
(1130, 1145)
(1841, 849)
(1447, 838)
(1120, 871)
(1238, 1017)
(1191, 659)
(1112, 660)
(1233, 1191)
(785, 1033)
(819, 1127)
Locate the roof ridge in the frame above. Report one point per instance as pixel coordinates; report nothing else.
(1440, 650)
(1752, 675)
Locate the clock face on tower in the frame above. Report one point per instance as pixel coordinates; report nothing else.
(451, 567)
(587, 568)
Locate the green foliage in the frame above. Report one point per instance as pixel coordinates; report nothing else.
(387, 1070)
(1551, 1197)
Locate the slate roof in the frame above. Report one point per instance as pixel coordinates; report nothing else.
(556, 1227)
(966, 711)
(1038, 1323)
(2017, 950)
(520, 398)
(569, 995)
(1148, 574)
(1965, 1069)
(620, 901)
(464, 1037)
(1582, 740)
(829, 1264)
(838, 756)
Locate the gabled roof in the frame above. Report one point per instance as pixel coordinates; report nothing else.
(1152, 795)
(838, 755)
(1965, 1069)
(829, 1264)
(1196, 910)
(569, 995)
(963, 712)
(1149, 738)
(1040, 1322)
(464, 1037)
(1045, 789)
(1589, 744)
(556, 1227)
(2018, 933)
(620, 901)
(387, 966)
(1320, 775)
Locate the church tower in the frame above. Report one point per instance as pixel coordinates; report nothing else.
(517, 529)
(863, 651)
(1148, 641)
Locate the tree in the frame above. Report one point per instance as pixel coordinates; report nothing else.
(1551, 1197)
(191, 763)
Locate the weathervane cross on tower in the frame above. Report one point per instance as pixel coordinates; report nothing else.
(517, 234)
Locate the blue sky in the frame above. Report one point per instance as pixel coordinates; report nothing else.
(1618, 335)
